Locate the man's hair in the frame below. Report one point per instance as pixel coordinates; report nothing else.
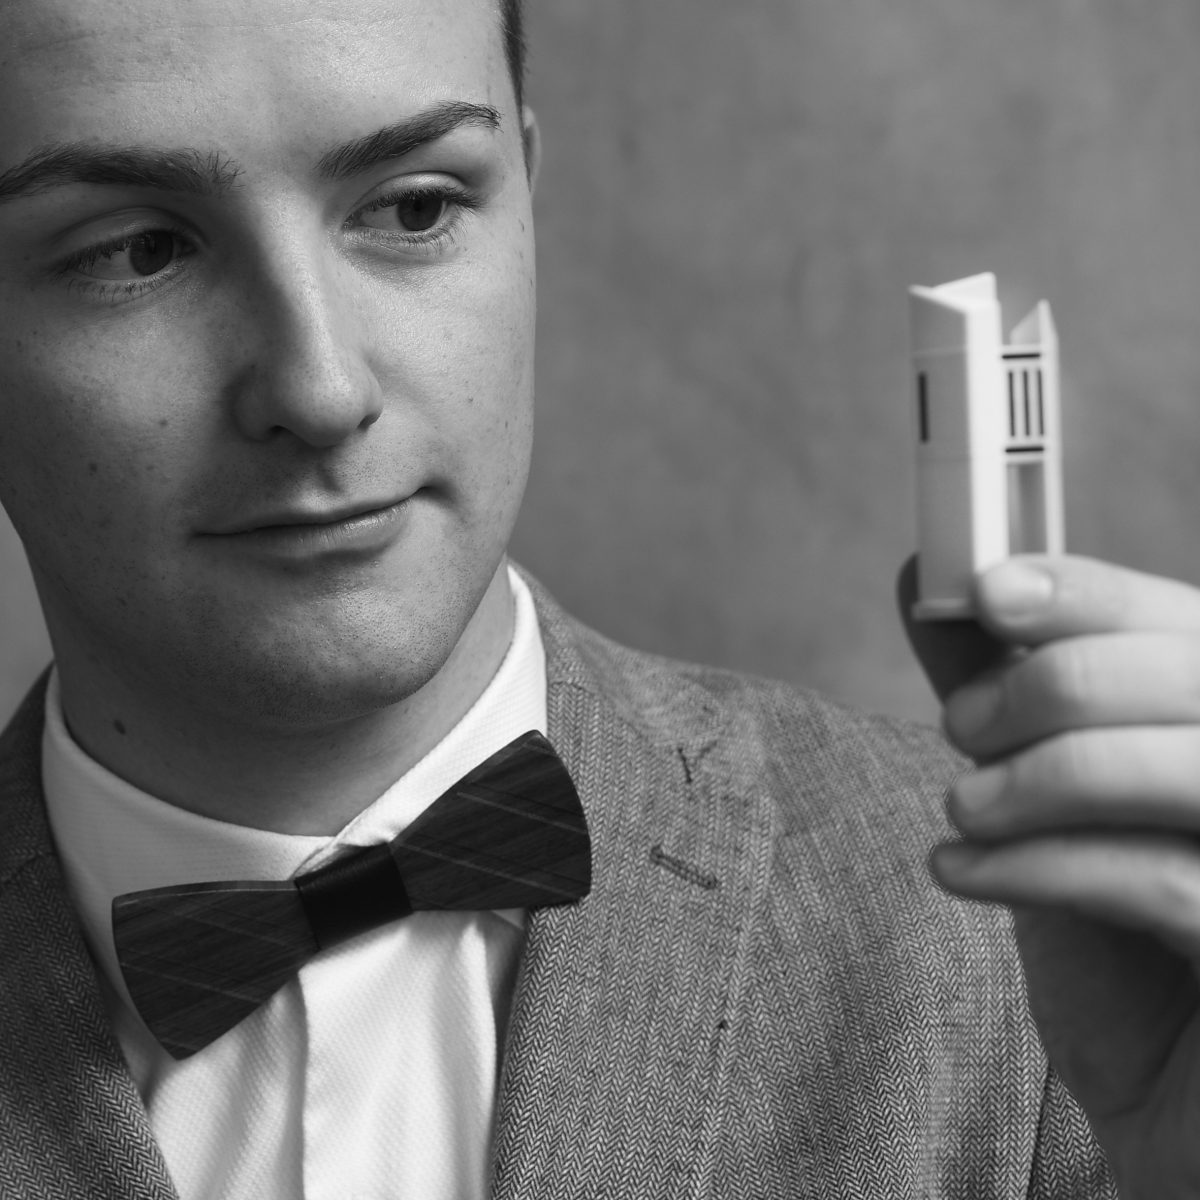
(514, 45)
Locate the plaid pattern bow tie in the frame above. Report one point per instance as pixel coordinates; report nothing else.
(201, 957)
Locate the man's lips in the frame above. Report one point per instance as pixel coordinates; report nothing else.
(357, 530)
(282, 519)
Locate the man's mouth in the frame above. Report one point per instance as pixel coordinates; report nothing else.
(363, 528)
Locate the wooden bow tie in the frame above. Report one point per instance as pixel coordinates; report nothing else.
(199, 958)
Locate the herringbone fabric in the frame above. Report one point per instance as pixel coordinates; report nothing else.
(781, 1005)
(763, 998)
(72, 1126)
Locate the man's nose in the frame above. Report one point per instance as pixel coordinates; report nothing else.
(309, 372)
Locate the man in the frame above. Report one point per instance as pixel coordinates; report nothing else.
(266, 286)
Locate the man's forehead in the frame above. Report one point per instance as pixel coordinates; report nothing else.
(37, 24)
(109, 62)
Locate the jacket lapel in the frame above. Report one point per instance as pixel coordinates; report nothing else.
(60, 1069)
(621, 1023)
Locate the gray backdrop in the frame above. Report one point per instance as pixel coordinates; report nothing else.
(734, 199)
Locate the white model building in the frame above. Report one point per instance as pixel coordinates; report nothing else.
(988, 431)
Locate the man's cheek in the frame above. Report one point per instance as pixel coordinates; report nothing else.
(65, 484)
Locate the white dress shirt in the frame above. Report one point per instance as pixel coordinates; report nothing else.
(372, 1075)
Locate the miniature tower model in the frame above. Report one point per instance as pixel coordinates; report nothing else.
(989, 461)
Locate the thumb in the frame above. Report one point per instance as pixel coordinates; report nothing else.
(950, 652)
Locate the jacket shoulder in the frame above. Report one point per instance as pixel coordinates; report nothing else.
(882, 1043)
(812, 758)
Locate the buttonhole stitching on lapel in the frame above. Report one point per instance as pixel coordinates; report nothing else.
(692, 758)
(685, 870)
(687, 770)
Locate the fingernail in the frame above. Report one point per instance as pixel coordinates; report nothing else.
(953, 859)
(977, 791)
(1016, 589)
(972, 709)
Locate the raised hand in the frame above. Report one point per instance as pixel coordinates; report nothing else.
(1078, 697)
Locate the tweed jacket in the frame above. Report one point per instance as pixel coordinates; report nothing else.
(763, 996)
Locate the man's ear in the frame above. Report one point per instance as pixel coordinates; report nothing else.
(531, 139)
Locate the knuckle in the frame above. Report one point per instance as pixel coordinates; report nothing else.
(1175, 887)
(1057, 683)
(1063, 767)
(1056, 766)
(1105, 590)
(1187, 659)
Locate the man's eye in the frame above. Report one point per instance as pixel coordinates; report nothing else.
(138, 257)
(411, 212)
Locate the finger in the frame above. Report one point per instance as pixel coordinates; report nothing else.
(950, 652)
(1149, 882)
(1145, 778)
(1079, 683)
(1031, 599)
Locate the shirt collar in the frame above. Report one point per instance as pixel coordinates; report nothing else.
(114, 838)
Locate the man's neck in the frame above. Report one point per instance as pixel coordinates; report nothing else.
(312, 780)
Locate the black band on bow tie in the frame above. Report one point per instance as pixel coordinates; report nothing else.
(353, 894)
(199, 958)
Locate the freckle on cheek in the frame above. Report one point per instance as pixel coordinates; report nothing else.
(93, 468)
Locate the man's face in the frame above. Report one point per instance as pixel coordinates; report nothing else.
(292, 325)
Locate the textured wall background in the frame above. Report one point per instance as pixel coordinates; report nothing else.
(734, 199)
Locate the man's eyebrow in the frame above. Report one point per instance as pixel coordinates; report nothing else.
(64, 163)
(201, 173)
(402, 138)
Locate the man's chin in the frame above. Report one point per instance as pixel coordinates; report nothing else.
(361, 656)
